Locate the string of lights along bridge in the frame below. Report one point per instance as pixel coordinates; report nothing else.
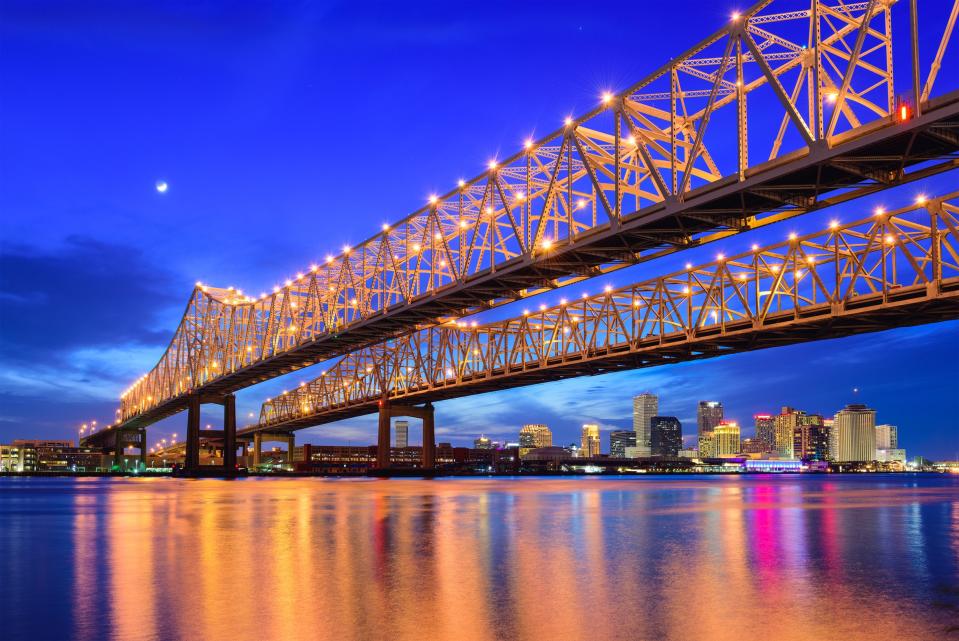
(789, 107)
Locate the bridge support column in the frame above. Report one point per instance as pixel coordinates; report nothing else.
(193, 433)
(257, 448)
(229, 433)
(142, 438)
(118, 450)
(383, 437)
(290, 444)
(429, 438)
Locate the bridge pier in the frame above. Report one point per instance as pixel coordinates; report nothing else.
(229, 432)
(124, 436)
(192, 462)
(388, 411)
(259, 437)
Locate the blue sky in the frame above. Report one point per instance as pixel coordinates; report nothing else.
(285, 131)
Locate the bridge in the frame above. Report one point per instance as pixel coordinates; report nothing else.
(892, 269)
(784, 110)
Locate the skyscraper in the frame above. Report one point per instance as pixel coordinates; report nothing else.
(482, 443)
(619, 440)
(726, 438)
(590, 441)
(811, 439)
(765, 432)
(786, 423)
(856, 433)
(645, 407)
(665, 435)
(709, 414)
(887, 437)
(534, 435)
(402, 438)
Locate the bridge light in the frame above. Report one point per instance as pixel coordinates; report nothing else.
(833, 224)
(889, 239)
(792, 236)
(442, 263)
(832, 95)
(416, 247)
(492, 164)
(488, 210)
(525, 312)
(585, 295)
(329, 259)
(810, 260)
(607, 97)
(880, 211)
(608, 289)
(755, 247)
(580, 203)
(520, 196)
(562, 301)
(689, 265)
(921, 199)
(462, 224)
(461, 183)
(276, 289)
(542, 308)
(720, 257)
(905, 112)
(742, 277)
(314, 267)
(199, 284)
(346, 249)
(433, 199)
(631, 140)
(546, 243)
(528, 144)
(568, 121)
(735, 16)
(437, 236)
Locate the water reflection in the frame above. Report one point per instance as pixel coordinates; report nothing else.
(668, 558)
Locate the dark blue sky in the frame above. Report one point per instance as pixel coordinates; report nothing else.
(285, 132)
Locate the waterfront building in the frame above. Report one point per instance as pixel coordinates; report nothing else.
(619, 441)
(689, 453)
(887, 437)
(726, 439)
(707, 445)
(645, 407)
(402, 434)
(590, 445)
(831, 433)
(891, 455)
(765, 439)
(786, 423)
(856, 433)
(666, 436)
(709, 414)
(532, 436)
(811, 439)
(482, 443)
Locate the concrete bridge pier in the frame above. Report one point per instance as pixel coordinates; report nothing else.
(228, 433)
(389, 411)
(126, 436)
(260, 437)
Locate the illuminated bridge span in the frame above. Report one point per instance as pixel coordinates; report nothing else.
(890, 270)
(788, 102)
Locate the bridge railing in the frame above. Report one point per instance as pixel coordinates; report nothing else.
(887, 257)
(767, 88)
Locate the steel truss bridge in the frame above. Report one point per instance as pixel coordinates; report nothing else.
(889, 270)
(792, 106)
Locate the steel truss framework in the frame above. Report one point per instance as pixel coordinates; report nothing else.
(789, 101)
(890, 270)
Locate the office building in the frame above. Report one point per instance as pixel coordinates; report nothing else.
(709, 414)
(619, 440)
(831, 434)
(645, 407)
(856, 434)
(811, 439)
(402, 437)
(589, 444)
(666, 436)
(532, 436)
(786, 423)
(482, 443)
(726, 439)
(887, 437)
(765, 439)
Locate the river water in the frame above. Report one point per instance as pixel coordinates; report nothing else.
(669, 557)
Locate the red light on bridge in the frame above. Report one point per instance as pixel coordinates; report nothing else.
(905, 111)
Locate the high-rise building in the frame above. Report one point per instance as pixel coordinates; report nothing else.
(726, 439)
(786, 423)
(590, 442)
(811, 439)
(829, 424)
(619, 440)
(665, 436)
(534, 435)
(645, 407)
(887, 437)
(709, 414)
(765, 440)
(856, 433)
(482, 443)
(402, 433)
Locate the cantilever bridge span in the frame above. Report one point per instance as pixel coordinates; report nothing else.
(893, 269)
(788, 108)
